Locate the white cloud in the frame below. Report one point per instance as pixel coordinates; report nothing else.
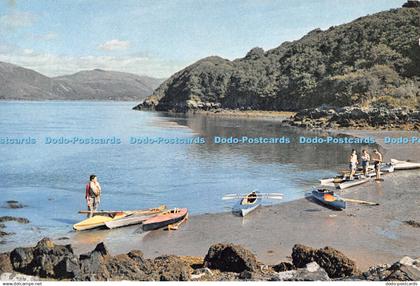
(17, 19)
(46, 37)
(55, 65)
(114, 44)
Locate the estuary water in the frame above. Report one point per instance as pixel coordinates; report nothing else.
(177, 163)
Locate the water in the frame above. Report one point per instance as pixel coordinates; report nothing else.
(50, 179)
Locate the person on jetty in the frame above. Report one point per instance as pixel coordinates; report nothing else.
(93, 194)
(365, 161)
(377, 160)
(353, 163)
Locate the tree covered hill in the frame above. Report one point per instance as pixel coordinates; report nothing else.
(374, 60)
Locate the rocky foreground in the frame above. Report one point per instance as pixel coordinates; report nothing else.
(223, 262)
(356, 118)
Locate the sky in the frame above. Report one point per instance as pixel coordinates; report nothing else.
(158, 37)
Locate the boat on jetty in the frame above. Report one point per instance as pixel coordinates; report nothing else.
(165, 219)
(404, 165)
(329, 198)
(248, 203)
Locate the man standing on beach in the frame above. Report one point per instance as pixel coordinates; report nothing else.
(93, 194)
(365, 162)
(377, 160)
(353, 163)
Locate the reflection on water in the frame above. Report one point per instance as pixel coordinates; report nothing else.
(50, 179)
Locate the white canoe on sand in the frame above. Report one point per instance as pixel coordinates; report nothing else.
(404, 165)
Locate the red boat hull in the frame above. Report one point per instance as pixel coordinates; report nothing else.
(165, 219)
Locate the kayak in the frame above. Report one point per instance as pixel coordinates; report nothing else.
(97, 221)
(137, 212)
(127, 221)
(351, 183)
(331, 182)
(329, 198)
(247, 204)
(164, 219)
(404, 165)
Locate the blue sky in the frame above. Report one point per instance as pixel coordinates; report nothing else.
(158, 38)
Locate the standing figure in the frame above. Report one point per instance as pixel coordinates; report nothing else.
(377, 160)
(353, 163)
(93, 194)
(365, 162)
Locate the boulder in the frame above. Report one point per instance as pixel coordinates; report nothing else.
(283, 266)
(406, 269)
(5, 263)
(335, 263)
(230, 258)
(46, 260)
(171, 268)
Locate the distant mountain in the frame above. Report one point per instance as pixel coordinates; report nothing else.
(24, 84)
(374, 60)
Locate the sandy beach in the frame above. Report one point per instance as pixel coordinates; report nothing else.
(368, 234)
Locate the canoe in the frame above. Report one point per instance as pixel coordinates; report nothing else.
(97, 221)
(247, 204)
(164, 219)
(404, 165)
(351, 183)
(329, 198)
(128, 220)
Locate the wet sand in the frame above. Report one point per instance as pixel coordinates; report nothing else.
(368, 234)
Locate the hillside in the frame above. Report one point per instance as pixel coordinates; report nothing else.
(371, 61)
(18, 83)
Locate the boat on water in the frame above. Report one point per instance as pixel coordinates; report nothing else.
(164, 219)
(97, 221)
(329, 198)
(248, 203)
(404, 165)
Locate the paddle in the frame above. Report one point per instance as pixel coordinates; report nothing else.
(152, 210)
(361, 202)
(275, 196)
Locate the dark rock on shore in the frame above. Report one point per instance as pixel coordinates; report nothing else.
(230, 262)
(335, 263)
(5, 263)
(16, 219)
(230, 258)
(13, 205)
(412, 223)
(356, 117)
(407, 269)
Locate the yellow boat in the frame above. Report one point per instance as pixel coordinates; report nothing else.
(97, 221)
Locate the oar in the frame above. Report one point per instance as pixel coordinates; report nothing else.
(152, 210)
(361, 202)
(239, 196)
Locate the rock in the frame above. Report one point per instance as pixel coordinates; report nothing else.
(412, 223)
(335, 263)
(17, 219)
(46, 260)
(13, 205)
(404, 270)
(92, 265)
(5, 263)
(171, 268)
(312, 267)
(200, 273)
(283, 266)
(311, 273)
(230, 258)
(13, 276)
